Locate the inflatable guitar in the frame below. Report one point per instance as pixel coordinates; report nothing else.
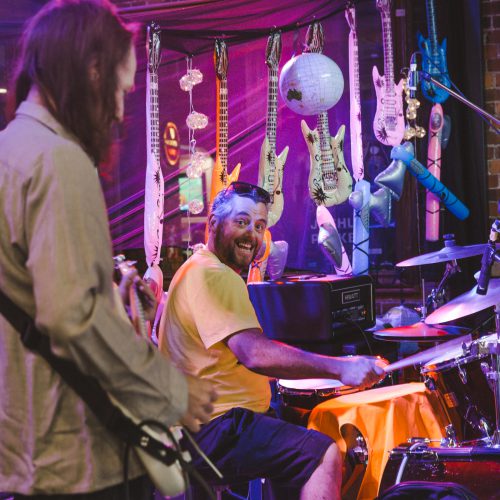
(220, 177)
(388, 124)
(433, 59)
(154, 187)
(361, 216)
(270, 166)
(330, 183)
(436, 122)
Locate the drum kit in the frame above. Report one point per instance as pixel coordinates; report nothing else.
(463, 371)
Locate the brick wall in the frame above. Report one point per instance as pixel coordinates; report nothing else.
(491, 48)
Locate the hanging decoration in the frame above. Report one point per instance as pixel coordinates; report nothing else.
(194, 121)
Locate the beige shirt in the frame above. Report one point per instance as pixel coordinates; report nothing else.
(56, 264)
(207, 302)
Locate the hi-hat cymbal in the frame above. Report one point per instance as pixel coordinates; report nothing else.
(420, 332)
(446, 254)
(467, 303)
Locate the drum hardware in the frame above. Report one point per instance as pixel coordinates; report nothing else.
(475, 468)
(462, 377)
(450, 441)
(462, 374)
(418, 447)
(355, 462)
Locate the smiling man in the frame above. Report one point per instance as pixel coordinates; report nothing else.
(209, 329)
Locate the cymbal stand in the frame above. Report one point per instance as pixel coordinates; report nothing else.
(436, 297)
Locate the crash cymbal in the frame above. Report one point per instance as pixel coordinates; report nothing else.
(467, 303)
(446, 254)
(420, 332)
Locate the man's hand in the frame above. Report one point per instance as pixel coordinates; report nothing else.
(362, 371)
(201, 395)
(145, 294)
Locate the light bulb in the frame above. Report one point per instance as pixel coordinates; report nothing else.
(195, 206)
(193, 171)
(196, 121)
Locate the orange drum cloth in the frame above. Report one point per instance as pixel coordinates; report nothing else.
(386, 417)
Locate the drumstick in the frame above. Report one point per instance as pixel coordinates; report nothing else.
(423, 357)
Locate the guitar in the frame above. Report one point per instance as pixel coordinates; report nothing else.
(436, 122)
(154, 187)
(168, 479)
(136, 307)
(433, 59)
(361, 214)
(270, 166)
(388, 123)
(220, 177)
(330, 183)
(356, 135)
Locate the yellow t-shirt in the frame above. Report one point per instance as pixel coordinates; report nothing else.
(207, 302)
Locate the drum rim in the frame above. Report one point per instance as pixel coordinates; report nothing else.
(453, 362)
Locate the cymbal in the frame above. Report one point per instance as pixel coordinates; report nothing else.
(420, 332)
(444, 255)
(467, 303)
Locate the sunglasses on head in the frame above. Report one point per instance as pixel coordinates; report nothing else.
(258, 193)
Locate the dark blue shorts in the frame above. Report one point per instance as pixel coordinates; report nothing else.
(245, 445)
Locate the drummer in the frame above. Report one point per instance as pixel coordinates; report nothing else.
(209, 329)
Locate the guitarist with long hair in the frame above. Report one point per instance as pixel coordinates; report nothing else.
(77, 63)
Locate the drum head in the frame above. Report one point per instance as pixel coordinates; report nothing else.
(311, 384)
(448, 359)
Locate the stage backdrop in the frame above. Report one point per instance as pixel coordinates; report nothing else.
(190, 28)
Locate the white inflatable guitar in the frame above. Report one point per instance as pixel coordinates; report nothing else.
(388, 124)
(271, 166)
(330, 183)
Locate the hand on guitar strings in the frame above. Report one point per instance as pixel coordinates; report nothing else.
(201, 395)
(144, 292)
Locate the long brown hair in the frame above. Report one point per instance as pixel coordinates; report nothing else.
(60, 44)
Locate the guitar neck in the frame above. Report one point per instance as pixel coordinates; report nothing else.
(355, 93)
(385, 16)
(271, 121)
(154, 117)
(222, 134)
(327, 163)
(431, 25)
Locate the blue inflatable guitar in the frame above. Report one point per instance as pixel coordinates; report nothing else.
(433, 59)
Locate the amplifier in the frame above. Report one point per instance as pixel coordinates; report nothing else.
(313, 308)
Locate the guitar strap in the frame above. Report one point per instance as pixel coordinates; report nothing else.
(85, 386)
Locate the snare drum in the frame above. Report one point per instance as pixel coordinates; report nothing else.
(476, 468)
(296, 398)
(459, 376)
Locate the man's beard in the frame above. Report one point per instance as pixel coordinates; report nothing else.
(227, 253)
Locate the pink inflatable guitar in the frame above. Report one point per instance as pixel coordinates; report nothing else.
(434, 166)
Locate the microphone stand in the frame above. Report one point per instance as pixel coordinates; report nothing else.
(462, 99)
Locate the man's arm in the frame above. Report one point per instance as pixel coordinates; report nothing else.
(275, 359)
(71, 268)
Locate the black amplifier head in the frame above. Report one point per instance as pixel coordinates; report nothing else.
(312, 308)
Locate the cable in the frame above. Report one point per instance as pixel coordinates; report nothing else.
(351, 322)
